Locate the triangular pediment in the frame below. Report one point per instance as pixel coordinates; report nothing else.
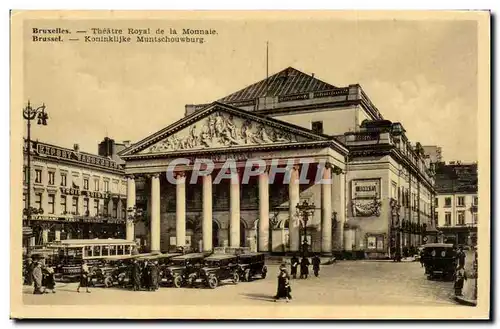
(221, 126)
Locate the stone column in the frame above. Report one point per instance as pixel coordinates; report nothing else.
(234, 211)
(294, 198)
(207, 213)
(155, 213)
(326, 211)
(338, 189)
(180, 215)
(263, 229)
(130, 234)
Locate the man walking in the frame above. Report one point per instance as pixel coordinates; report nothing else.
(304, 268)
(84, 277)
(37, 278)
(316, 261)
(136, 275)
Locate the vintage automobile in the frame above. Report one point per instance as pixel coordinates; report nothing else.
(250, 265)
(439, 260)
(183, 270)
(164, 261)
(217, 268)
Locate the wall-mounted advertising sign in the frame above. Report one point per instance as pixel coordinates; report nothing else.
(366, 189)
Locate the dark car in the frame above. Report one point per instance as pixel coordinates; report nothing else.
(252, 264)
(439, 259)
(183, 270)
(164, 261)
(218, 268)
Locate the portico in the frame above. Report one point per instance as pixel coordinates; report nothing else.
(228, 169)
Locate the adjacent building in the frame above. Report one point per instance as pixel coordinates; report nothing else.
(380, 198)
(456, 202)
(73, 194)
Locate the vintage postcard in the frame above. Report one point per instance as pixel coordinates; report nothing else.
(258, 165)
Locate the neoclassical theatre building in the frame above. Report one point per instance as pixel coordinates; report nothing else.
(379, 192)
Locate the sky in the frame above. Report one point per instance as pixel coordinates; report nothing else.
(420, 73)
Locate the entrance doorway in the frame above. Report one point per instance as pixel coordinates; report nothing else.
(215, 234)
(243, 234)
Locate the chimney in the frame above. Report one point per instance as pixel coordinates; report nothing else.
(312, 75)
(76, 147)
(126, 143)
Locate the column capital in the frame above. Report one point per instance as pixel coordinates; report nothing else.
(130, 176)
(337, 170)
(179, 174)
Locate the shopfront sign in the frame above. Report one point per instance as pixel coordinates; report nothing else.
(67, 154)
(91, 194)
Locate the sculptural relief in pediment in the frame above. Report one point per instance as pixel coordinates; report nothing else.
(223, 130)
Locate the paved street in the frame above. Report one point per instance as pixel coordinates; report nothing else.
(344, 283)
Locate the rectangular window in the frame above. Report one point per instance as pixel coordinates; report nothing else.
(447, 202)
(52, 199)
(86, 206)
(115, 209)
(106, 208)
(96, 184)
(124, 210)
(96, 207)
(460, 217)
(474, 218)
(317, 127)
(85, 183)
(63, 179)
(38, 200)
(38, 176)
(461, 201)
(64, 208)
(115, 187)
(436, 217)
(474, 201)
(52, 176)
(447, 219)
(24, 202)
(436, 202)
(75, 205)
(106, 186)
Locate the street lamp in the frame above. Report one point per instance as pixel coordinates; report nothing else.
(305, 210)
(29, 114)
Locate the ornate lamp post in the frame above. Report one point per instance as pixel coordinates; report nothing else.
(29, 114)
(305, 210)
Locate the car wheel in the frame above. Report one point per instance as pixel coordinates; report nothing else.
(236, 277)
(108, 282)
(247, 276)
(213, 282)
(177, 281)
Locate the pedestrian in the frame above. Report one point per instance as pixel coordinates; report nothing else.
(84, 277)
(284, 289)
(460, 257)
(28, 276)
(460, 278)
(146, 276)
(294, 263)
(153, 277)
(50, 282)
(136, 275)
(304, 268)
(37, 278)
(316, 261)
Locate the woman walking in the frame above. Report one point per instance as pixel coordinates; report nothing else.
(284, 288)
(50, 282)
(37, 278)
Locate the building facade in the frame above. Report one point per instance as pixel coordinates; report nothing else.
(379, 198)
(73, 194)
(456, 202)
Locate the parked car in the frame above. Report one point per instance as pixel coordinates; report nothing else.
(252, 264)
(218, 268)
(439, 259)
(183, 270)
(164, 261)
